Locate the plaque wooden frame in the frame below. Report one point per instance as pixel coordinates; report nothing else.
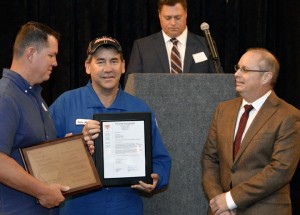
(66, 161)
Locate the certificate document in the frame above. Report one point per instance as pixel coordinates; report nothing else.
(123, 151)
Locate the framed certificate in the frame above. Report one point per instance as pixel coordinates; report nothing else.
(123, 150)
(66, 161)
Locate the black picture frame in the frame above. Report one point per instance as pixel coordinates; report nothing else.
(99, 150)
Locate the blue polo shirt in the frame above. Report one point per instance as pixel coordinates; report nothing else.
(24, 121)
(68, 113)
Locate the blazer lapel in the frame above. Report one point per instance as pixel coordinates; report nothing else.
(160, 48)
(230, 128)
(266, 111)
(190, 49)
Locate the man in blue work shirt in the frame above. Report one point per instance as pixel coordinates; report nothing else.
(73, 111)
(25, 121)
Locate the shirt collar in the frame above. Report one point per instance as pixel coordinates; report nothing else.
(259, 102)
(94, 101)
(21, 82)
(181, 38)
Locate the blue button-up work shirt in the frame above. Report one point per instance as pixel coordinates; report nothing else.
(69, 112)
(24, 121)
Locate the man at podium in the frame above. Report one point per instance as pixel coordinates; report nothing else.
(173, 47)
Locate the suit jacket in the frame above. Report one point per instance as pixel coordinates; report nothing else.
(259, 176)
(149, 55)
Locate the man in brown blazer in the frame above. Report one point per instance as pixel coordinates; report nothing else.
(256, 180)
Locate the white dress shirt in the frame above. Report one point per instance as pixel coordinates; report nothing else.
(181, 46)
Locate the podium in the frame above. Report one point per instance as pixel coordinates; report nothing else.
(184, 105)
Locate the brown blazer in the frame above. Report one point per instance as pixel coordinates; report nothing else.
(259, 176)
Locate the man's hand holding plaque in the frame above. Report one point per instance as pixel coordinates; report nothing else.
(65, 161)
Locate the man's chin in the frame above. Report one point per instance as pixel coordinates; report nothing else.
(46, 78)
(109, 86)
(238, 89)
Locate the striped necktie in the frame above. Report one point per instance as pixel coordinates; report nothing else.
(175, 58)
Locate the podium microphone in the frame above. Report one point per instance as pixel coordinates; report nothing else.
(205, 28)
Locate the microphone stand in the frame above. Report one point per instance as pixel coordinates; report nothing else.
(211, 46)
(214, 57)
(215, 62)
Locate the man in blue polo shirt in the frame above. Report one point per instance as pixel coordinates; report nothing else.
(75, 108)
(25, 121)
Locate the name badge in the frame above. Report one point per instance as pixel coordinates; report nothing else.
(82, 121)
(199, 57)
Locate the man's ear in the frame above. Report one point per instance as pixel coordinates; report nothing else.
(267, 77)
(29, 53)
(123, 67)
(87, 68)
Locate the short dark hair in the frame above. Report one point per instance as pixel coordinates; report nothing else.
(161, 3)
(33, 33)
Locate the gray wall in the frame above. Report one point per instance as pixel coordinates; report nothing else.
(184, 105)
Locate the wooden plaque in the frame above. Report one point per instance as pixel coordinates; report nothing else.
(65, 161)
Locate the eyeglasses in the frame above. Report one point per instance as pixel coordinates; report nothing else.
(243, 69)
